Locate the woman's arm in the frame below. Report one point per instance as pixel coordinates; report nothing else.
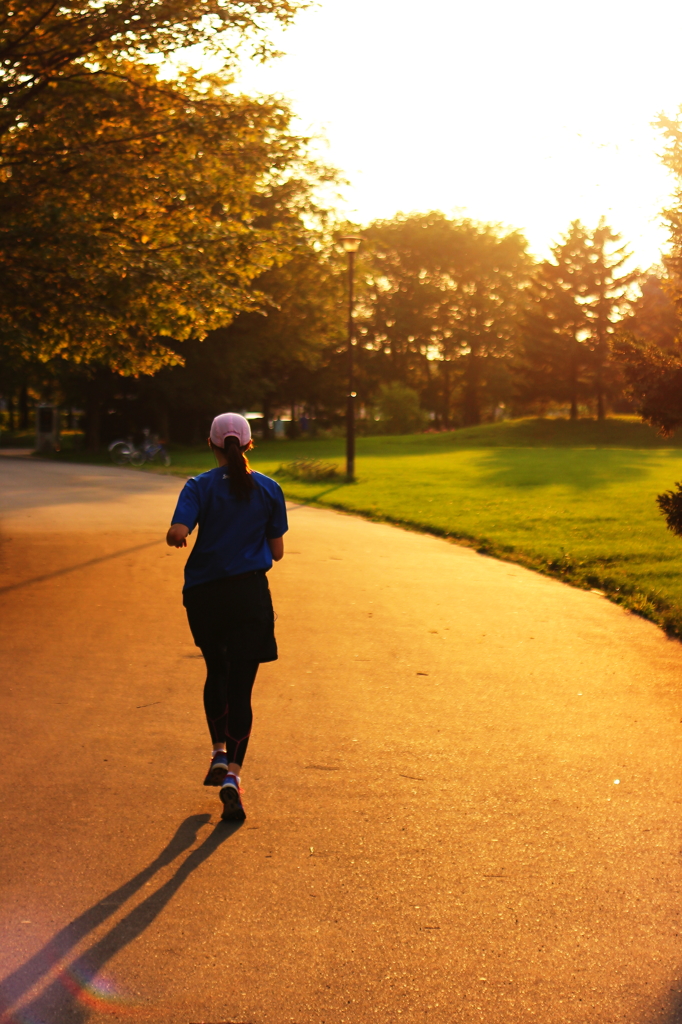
(185, 516)
(177, 536)
(276, 547)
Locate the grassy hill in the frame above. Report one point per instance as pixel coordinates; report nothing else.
(573, 500)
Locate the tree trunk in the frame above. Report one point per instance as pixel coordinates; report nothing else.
(601, 405)
(599, 378)
(163, 423)
(446, 393)
(267, 430)
(93, 415)
(293, 426)
(573, 383)
(472, 383)
(573, 390)
(23, 408)
(602, 350)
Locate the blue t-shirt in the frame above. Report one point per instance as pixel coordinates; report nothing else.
(233, 533)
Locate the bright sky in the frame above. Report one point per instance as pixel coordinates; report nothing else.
(530, 113)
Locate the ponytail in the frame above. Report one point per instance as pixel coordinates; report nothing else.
(238, 469)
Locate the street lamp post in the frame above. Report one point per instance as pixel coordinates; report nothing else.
(351, 243)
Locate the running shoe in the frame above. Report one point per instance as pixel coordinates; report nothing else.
(217, 769)
(230, 794)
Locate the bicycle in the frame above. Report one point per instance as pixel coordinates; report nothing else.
(151, 450)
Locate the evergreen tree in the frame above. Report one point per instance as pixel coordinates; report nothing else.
(654, 377)
(553, 357)
(653, 317)
(575, 304)
(604, 297)
(650, 355)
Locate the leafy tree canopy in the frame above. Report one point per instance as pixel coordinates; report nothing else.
(181, 194)
(445, 292)
(43, 42)
(399, 408)
(272, 356)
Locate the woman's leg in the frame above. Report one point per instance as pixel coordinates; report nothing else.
(236, 726)
(227, 703)
(215, 693)
(239, 718)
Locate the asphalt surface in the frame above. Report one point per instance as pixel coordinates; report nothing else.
(463, 786)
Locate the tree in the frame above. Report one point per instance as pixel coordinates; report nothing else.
(654, 378)
(399, 408)
(271, 356)
(575, 303)
(672, 158)
(604, 294)
(135, 210)
(102, 257)
(653, 317)
(554, 355)
(441, 304)
(399, 271)
(287, 342)
(650, 354)
(485, 312)
(278, 354)
(44, 44)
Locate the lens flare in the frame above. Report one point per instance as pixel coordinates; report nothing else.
(95, 992)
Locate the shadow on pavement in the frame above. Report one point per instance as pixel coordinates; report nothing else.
(42, 483)
(304, 502)
(674, 1014)
(73, 993)
(77, 566)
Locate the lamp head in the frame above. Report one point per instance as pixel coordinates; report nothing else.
(351, 243)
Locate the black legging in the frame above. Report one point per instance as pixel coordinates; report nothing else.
(227, 700)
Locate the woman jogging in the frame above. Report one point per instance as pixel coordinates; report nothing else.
(242, 521)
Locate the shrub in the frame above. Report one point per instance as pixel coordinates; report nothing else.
(399, 409)
(310, 470)
(670, 504)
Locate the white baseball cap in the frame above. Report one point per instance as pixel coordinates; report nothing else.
(230, 424)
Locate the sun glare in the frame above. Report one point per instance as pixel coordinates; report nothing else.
(530, 114)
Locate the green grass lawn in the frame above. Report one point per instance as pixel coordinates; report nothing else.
(576, 501)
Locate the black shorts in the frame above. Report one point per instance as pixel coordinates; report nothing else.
(236, 613)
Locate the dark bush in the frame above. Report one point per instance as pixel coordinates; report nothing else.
(670, 504)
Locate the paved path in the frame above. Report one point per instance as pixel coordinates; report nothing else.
(434, 833)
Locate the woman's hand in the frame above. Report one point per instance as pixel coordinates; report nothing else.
(177, 536)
